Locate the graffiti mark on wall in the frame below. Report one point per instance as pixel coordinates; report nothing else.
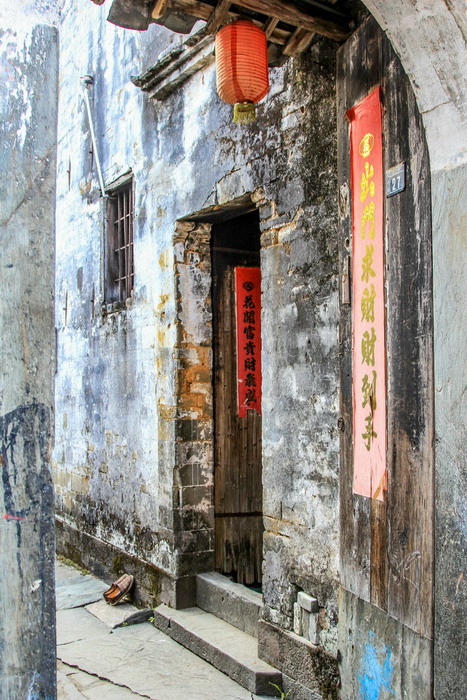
(408, 569)
(25, 481)
(376, 669)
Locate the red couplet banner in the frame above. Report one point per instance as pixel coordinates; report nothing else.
(368, 311)
(248, 313)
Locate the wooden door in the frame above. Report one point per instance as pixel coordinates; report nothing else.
(387, 543)
(237, 441)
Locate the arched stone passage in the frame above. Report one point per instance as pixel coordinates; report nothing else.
(429, 37)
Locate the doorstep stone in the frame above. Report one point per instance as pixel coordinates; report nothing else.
(224, 646)
(232, 602)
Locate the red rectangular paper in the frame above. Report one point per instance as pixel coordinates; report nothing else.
(368, 306)
(248, 315)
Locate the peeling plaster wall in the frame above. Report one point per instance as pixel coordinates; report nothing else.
(187, 155)
(429, 37)
(106, 452)
(28, 104)
(449, 283)
(300, 393)
(118, 414)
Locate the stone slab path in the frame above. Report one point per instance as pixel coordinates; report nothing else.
(99, 661)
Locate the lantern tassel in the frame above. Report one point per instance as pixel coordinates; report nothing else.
(244, 112)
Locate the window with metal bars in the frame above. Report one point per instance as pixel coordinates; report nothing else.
(120, 267)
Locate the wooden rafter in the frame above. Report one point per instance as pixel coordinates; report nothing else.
(218, 16)
(285, 23)
(204, 11)
(159, 8)
(299, 42)
(270, 26)
(279, 10)
(291, 14)
(195, 8)
(278, 36)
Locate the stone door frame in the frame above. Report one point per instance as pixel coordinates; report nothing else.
(193, 483)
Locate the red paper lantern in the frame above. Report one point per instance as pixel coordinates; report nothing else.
(242, 67)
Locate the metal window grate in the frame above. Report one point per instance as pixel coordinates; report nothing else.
(120, 276)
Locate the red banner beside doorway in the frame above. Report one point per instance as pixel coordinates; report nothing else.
(248, 315)
(368, 310)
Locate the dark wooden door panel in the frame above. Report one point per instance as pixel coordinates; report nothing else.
(237, 441)
(387, 547)
(239, 544)
(410, 349)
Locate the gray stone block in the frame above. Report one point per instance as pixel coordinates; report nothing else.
(297, 619)
(305, 623)
(297, 691)
(119, 615)
(227, 648)
(152, 585)
(83, 590)
(303, 662)
(307, 602)
(313, 628)
(230, 601)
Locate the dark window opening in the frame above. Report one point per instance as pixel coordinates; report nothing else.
(120, 266)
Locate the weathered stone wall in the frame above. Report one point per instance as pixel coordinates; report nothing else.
(28, 105)
(449, 188)
(300, 396)
(107, 449)
(121, 407)
(430, 39)
(191, 440)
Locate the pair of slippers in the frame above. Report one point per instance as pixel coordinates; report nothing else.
(119, 589)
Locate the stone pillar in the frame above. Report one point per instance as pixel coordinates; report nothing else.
(193, 475)
(28, 98)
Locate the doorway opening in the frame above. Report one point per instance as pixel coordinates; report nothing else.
(235, 243)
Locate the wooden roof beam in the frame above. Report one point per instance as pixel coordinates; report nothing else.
(299, 42)
(218, 17)
(159, 8)
(274, 9)
(270, 26)
(205, 11)
(285, 11)
(195, 8)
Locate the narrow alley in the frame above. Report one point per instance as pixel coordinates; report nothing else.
(233, 349)
(103, 655)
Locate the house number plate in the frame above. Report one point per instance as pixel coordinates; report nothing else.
(395, 180)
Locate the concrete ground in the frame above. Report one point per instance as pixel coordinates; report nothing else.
(99, 661)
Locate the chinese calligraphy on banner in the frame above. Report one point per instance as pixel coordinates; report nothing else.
(368, 312)
(248, 314)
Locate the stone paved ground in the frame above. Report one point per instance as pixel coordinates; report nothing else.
(99, 662)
